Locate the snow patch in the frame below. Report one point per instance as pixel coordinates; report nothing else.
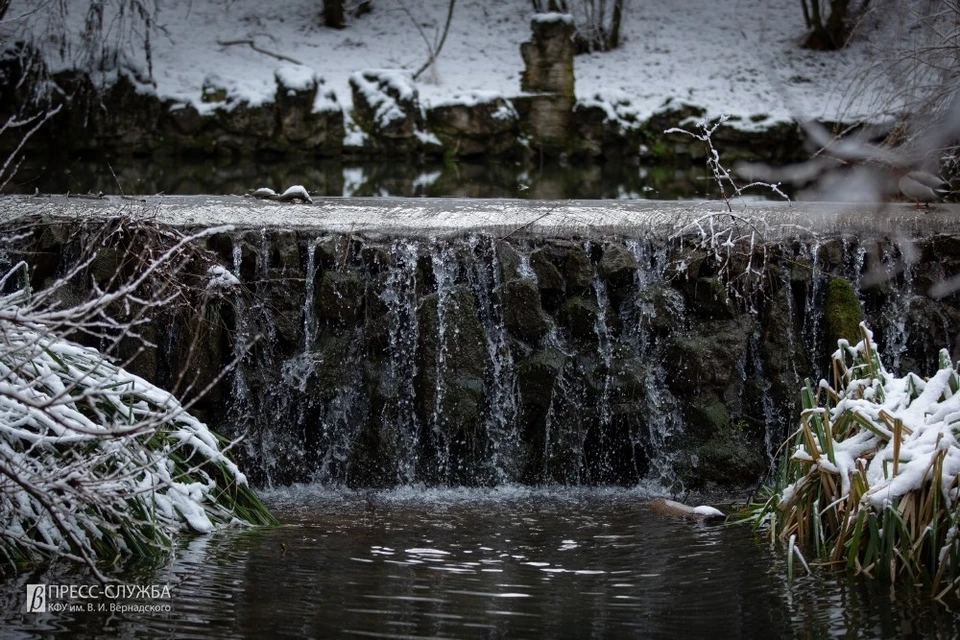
(221, 279)
(550, 17)
(296, 77)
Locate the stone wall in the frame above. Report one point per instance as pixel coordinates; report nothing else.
(479, 361)
(304, 119)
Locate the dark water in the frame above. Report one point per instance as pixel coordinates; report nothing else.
(148, 176)
(508, 563)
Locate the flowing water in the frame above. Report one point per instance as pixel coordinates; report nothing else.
(511, 562)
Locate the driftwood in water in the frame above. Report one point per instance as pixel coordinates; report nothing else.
(678, 509)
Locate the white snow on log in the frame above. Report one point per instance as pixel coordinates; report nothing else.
(296, 192)
(264, 192)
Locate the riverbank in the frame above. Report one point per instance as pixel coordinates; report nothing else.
(299, 88)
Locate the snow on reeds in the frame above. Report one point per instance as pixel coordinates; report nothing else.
(869, 480)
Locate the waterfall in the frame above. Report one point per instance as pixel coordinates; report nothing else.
(404, 360)
(399, 295)
(501, 422)
(445, 268)
(894, 325)
(661, 409)
(579, 356)
(813, 310)
(309, 319)
(605, 351)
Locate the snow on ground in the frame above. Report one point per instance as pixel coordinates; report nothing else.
(738, 57)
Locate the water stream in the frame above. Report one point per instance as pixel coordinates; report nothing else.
(506, 563)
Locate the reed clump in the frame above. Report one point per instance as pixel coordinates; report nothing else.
(869, 480)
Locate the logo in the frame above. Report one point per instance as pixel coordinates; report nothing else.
(58, 598)
(36, 598)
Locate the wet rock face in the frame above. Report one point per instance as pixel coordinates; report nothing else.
(478, 361)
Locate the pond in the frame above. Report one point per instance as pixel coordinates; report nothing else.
(459, 563)
(550, 181)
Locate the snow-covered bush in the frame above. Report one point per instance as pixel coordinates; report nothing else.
(95, 462)
(870, 479)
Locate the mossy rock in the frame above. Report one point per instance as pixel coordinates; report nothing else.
(661, 308)
(508, 260)
(339, 297)
(727, 462)
(578, 270)
(842, 312)
(707, 414)
(213, 94)
(537, 376)
(617, 265)
(710, 299)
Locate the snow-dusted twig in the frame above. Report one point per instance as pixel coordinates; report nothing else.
(13, 122)
(720, 174)
(253, 45)
(434, 48)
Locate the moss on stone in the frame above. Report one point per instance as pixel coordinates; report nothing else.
(842, 312)
(727, 462)
(213, 94)
(712, 413)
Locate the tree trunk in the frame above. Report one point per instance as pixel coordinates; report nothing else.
(806, 13)
(332, 14)
(831, 34)
(837, 22)
(613, 40)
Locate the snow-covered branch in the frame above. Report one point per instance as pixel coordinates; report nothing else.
(96, 462)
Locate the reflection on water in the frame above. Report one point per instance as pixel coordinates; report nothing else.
(489, 564)
(148, 176)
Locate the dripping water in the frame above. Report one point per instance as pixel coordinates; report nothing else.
(661, 409)
(403, 334)
(501, 420)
